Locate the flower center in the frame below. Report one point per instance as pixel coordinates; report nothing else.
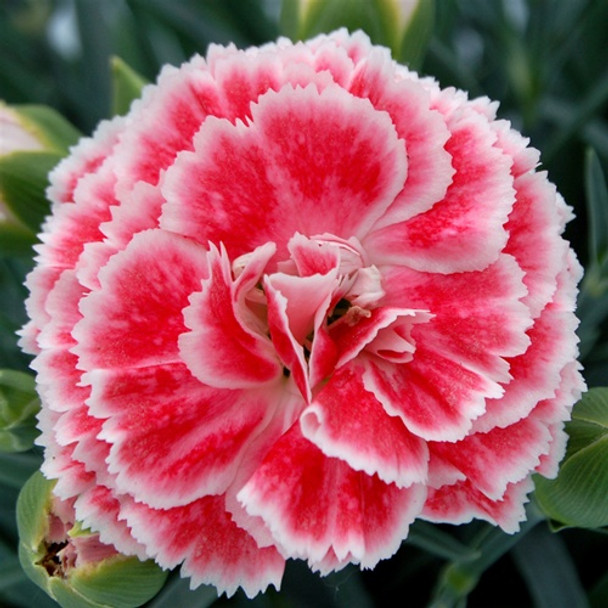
(322, 308)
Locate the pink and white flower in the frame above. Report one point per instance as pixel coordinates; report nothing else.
(297, 298)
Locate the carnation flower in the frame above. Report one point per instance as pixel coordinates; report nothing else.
(297, 298)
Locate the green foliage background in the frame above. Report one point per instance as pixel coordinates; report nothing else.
(546, 61)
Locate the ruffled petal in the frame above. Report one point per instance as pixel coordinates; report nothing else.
(478, 318)
(424, 131)
(313, 503)
(462, 502)
(465, 230)
(247, 185)
(436, 397)
(213, 549)
(347, 422)
(136, 317)
(173, 439)
(163, 122)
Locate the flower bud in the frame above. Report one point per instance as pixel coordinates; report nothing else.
(70, 563)
(34, 139)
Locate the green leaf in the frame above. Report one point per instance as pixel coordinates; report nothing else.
(19, 405)
(550, 574)
(461, 575)
(23, 182)
(126, 85)
(16, 240)
(577, 497)
(597, 206)
(48, 126)
(598, 598)
(121, 582)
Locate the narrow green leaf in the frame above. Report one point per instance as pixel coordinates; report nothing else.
(11, 573)
(597, 206)
(434, 540)
(15, 469)
(550, 574)
(126, 85)
(23, 182)
(577, 497)
(461, 576)
(412, 47)
(598, 598)
(177, 593)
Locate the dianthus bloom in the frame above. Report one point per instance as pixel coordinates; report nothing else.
(297, 298)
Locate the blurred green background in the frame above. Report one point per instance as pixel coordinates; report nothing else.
(546, 61)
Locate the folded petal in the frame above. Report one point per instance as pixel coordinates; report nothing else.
(220, 349)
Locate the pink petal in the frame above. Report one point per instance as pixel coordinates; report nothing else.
(74, 224)
(85, 158)
(136, 317)
(345, 421)
(173, 439)
(164, 121)
(290, 352)
(536, 373)
(58, 379)
(221, 350)
(213, 549)
(464, 231)
(423, 130)
(99, 510)
(372, 329)
(313, 503)
(461, 502)
(62, 308)
(247, 185)
(313, 256)
(478, 318)
(435, 396)
(493, 460)
(554, 412)
(534, 227)
(306, 298)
